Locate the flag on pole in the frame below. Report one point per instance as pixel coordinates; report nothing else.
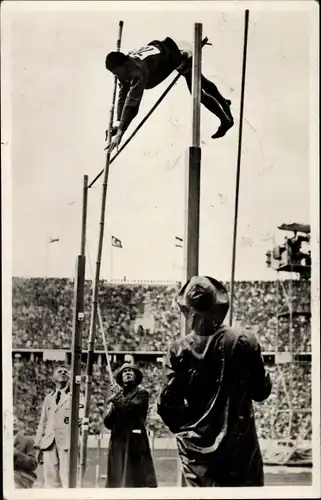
(53, 240)
(178, 242)
(115, 242)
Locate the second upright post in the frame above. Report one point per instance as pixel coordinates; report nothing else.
(193, 182)
(193, 178)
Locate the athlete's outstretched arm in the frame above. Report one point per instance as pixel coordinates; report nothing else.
(126, 111)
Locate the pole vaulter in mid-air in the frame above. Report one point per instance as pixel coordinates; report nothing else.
(149, 66)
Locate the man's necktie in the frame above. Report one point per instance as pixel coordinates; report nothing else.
(58, 397)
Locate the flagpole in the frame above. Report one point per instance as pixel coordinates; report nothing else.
(179, 263)
(174, 260)
(111, 258)
(76, 351)
(46, 269)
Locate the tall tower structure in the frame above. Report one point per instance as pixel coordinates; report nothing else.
(291, 417)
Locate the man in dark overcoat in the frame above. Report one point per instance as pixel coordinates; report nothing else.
(212, 376)
(130, 462)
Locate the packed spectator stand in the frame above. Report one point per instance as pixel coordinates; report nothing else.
(144, 318)
(43, 308)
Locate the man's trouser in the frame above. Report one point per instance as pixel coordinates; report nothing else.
(55, 464)
(207, 472)
(224, 469)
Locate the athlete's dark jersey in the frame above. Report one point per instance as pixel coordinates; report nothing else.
(148, 67)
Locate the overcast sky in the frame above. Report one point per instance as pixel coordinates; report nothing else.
(61, 95)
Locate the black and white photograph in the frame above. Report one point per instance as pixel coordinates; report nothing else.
(160, 249)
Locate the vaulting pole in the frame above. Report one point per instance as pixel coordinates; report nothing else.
(239, 155)
(93, 320)
(76, 347)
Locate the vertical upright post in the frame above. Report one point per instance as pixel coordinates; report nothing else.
(193, 184)
(196, 85)
(239, 154)
(84, 217)
(94, 310)
(76, 346)
(193, 181)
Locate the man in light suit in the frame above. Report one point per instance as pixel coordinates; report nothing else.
(52, 438)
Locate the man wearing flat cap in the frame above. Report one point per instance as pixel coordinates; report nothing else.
(212, 377)
(130, 462)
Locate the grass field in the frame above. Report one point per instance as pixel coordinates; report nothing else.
(166, 470)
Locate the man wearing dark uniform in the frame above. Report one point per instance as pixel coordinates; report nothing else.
(148, 67)
(212, 376)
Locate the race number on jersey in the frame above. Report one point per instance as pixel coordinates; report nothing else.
(144, 52)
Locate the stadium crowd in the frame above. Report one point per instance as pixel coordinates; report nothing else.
(145, 317)
(272, 415)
